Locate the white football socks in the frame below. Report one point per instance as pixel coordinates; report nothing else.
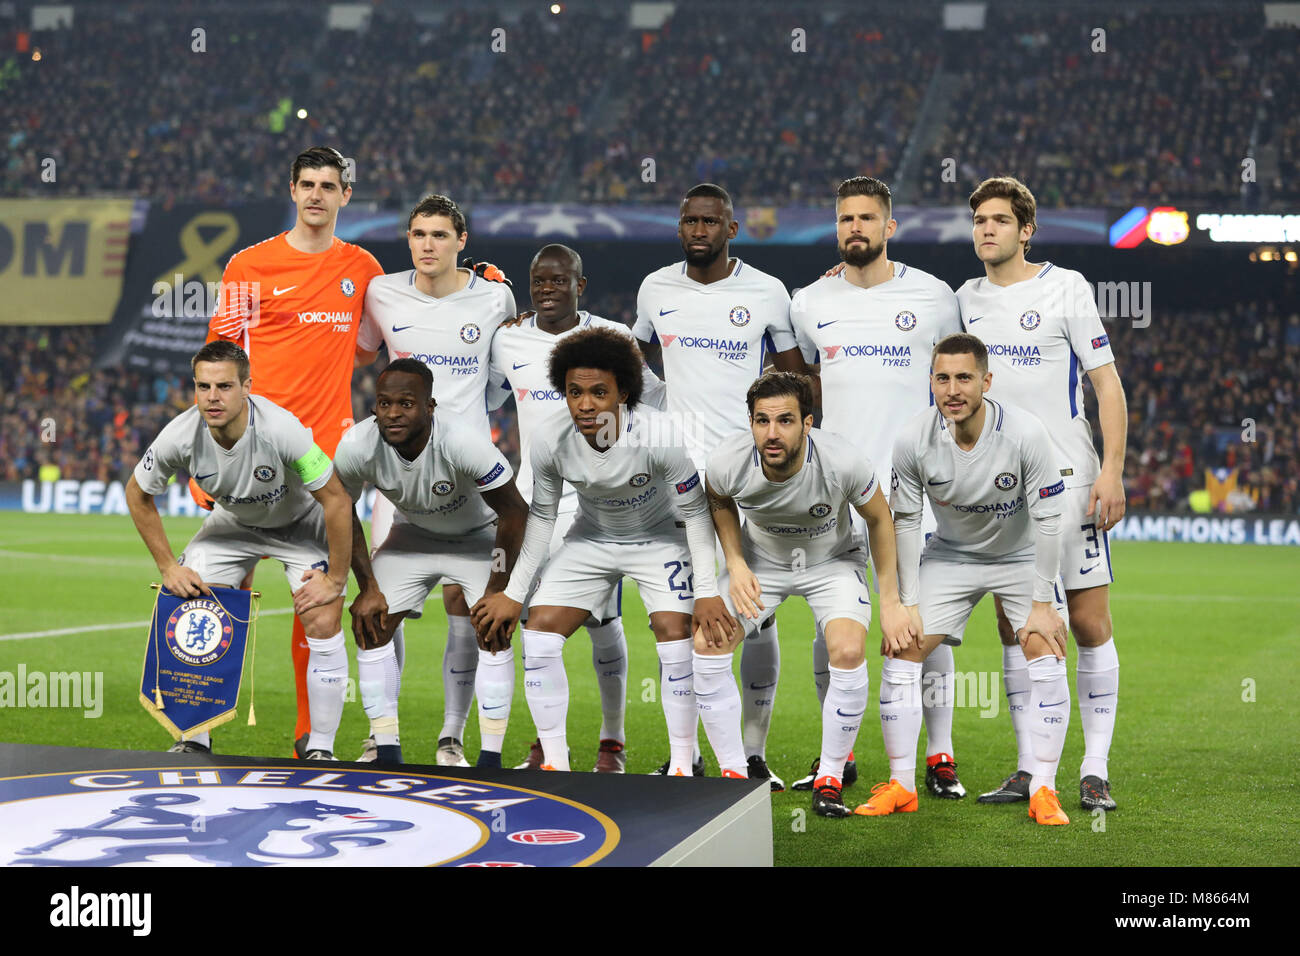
(378, 680)
(900, 718)
(760, 667)
(937, 700)
(1015, 678)
(459, 661)
(327, 682)
(1096, 681)
(1049, 717)
(609, 658)
(677, 694)
(546, 688)
(846, 700)
(719, 703)
(399, 647)
(494, 685)
(821, 665)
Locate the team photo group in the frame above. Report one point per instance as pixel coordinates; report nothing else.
(876, 431)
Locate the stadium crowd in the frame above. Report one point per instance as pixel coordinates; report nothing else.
(719, 92)
(1178, 427)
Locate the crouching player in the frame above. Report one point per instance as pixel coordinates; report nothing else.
(796, 484)
(276, 496)
(445, 480)
(989, 471)
(641, 513)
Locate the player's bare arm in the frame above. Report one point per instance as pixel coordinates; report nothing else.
(369, 609)
(1107, 500)
(321, 588)
(745, 589)
(895, 622)
(179, 580)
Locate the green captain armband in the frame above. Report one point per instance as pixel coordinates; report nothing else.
(312, 465)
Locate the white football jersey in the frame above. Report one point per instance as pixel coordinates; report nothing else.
(641, 489)
(264, 481)
(874, 348)
(451, 335)
(520, 366)
(440, 491)
(1042, 335)
(807, 513)
(714, 340)
(982, 498)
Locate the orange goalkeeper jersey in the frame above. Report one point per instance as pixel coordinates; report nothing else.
(297, 315)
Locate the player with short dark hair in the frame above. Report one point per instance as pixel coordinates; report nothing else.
(276, 496)
(1042, 327)
(520, 369)
(797, 485)
(445, 316)
(641, 514)
(868, 327)
(293, 302)
(712, 320)
(450, 486)
(987, 467)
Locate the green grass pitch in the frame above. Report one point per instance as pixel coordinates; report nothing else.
(1202, 766)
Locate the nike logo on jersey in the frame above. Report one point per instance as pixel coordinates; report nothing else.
(402, 328)
(201, 477)
(1057, 704)
(753, 686)
(931, 481)
(518, 365)
(1092, 696)
(667, 311)
(822, 325)
(974, 320)
(867, 603)
(278, 291)
(1086, 570)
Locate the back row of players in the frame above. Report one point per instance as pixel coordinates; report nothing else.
(869, 331)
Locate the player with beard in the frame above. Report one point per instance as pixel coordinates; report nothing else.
(869, 326)
(712, 320)
(519, 366)
(797, 486)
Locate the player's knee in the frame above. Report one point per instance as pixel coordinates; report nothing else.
(322, 622)
(846, 658)
(1091, 629)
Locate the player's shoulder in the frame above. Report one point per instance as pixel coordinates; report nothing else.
(360, 439)
(921, 429)
(729, 453)
(1016, 422)
(393, 280)
(971, 287)
(183, 429)
(665, 277)
(267, 252)
(358, 254)
(837, 455)
(751, 277)
(1054, 274)
(487, 290)
(919, 278)
(588, 320)
(271, 419)
(823, 288)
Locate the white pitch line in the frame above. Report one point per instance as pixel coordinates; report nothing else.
(1222, 598)
(59, 632)
(74, 558)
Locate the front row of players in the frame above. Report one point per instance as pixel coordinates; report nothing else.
(642, 513)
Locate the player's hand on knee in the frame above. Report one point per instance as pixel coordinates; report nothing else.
(713, 619)
(318, 589)
(370, 619)
(492, 613)
(1046, 622)
(746, 592)
(496, 641)
(184, 582)
(898, 629)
